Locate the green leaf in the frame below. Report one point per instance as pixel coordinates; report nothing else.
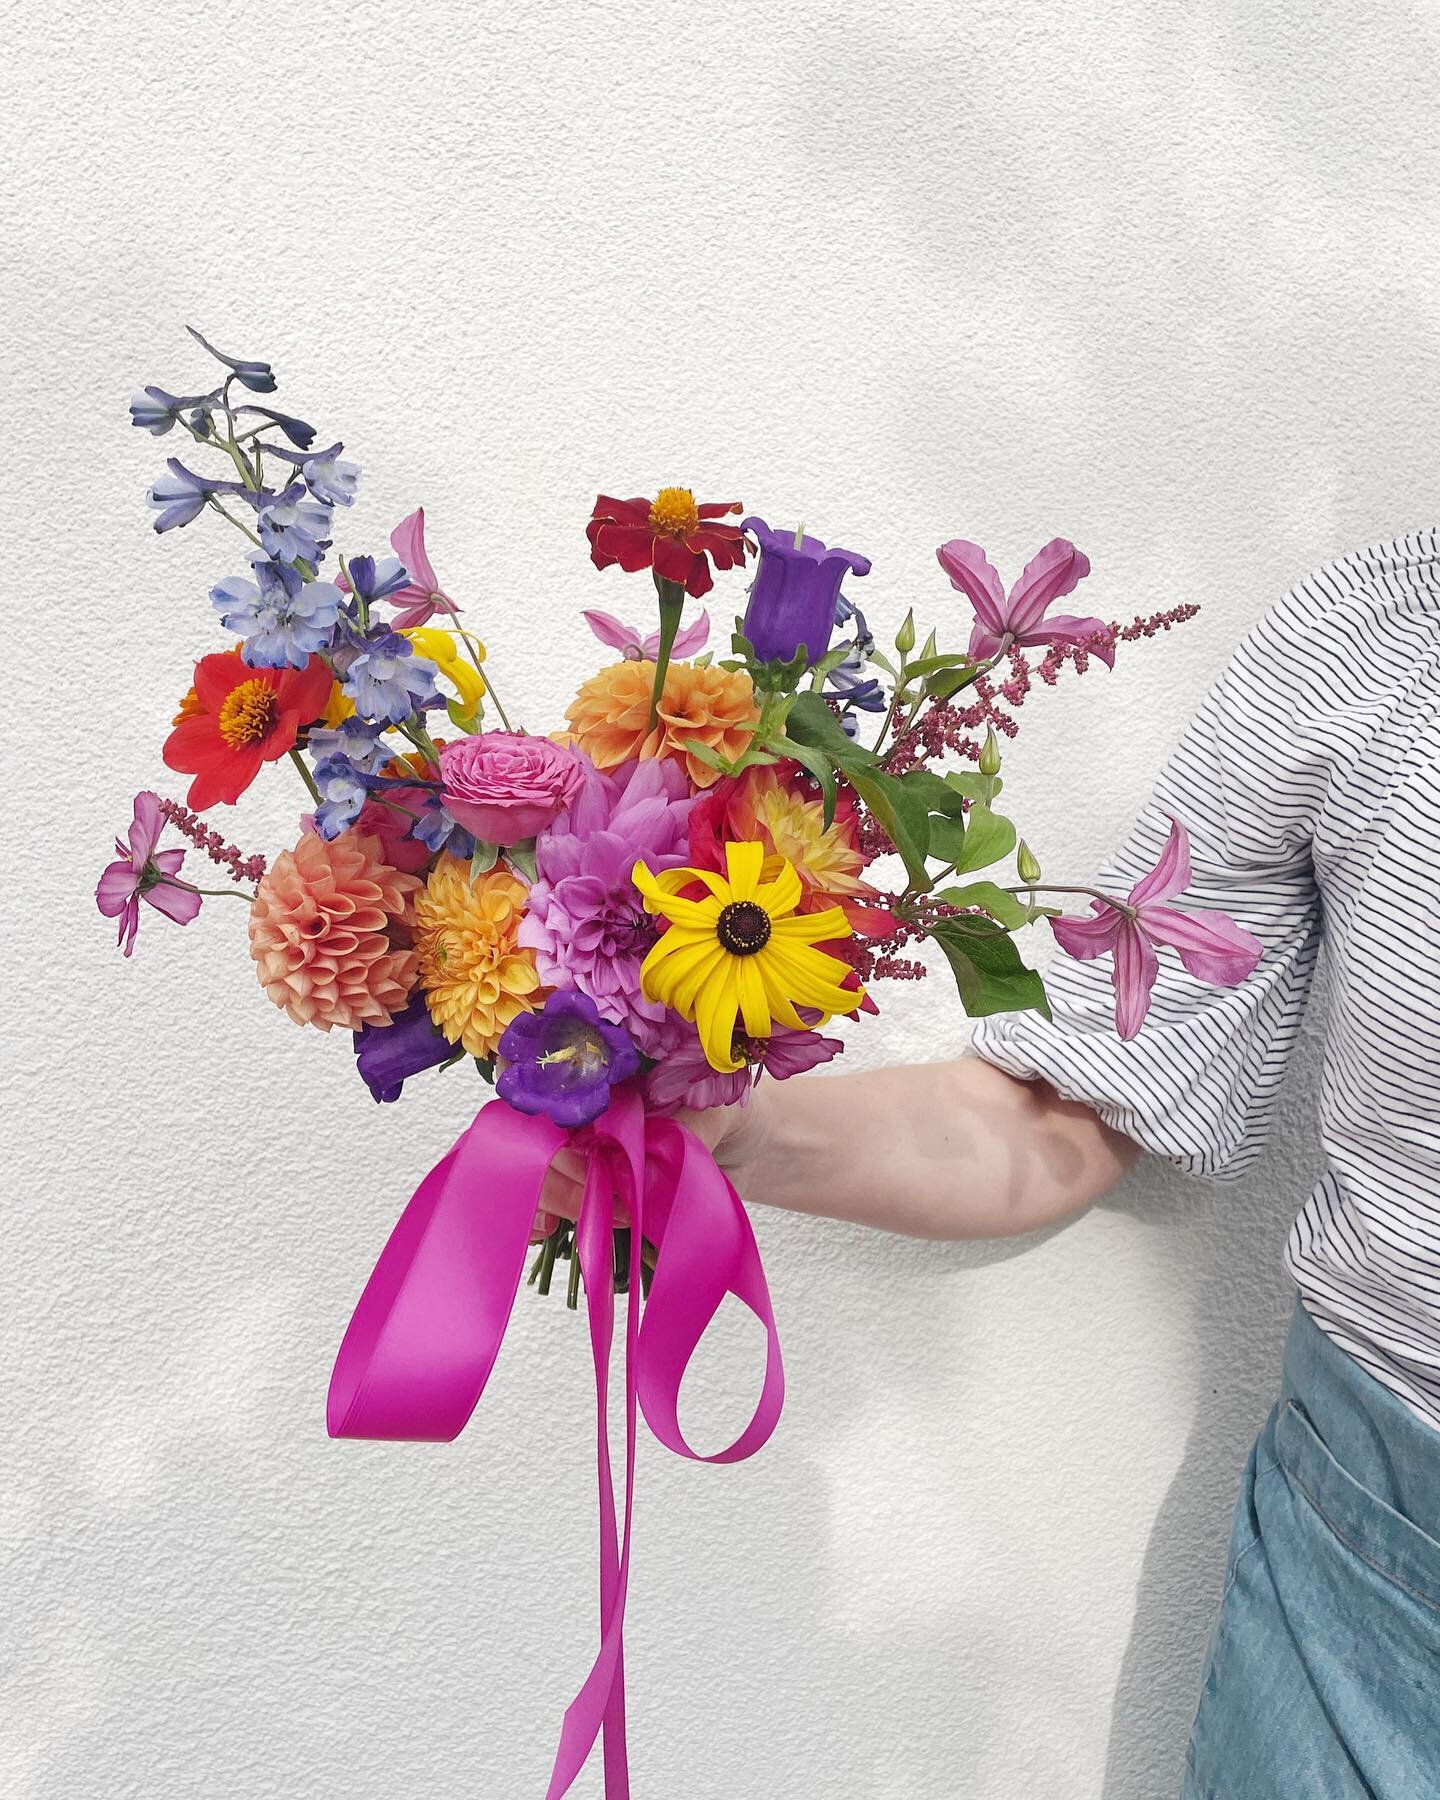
(988, 837)
(811, 722)
(1010, 911)
(486, 1066)
(947, 839)
(974, 786)
(521, 858)
(937, 793)
(988, 969)
(902, 813)
(820, 767)
(939, 665)
(703, 753)
(941, 687)
(484, 859)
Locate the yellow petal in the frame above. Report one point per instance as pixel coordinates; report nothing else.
(715, 1008)
(781, 1009)
(812, 928)
(807, 979)
(743, 863)
(710, 966)
(753, 1009)
(658, 899)
(782, 895)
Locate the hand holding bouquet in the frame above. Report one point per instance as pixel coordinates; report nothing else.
(667, 899)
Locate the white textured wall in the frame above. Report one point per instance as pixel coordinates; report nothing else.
(1161, 277)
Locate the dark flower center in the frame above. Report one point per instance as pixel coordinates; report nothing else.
(743, 928)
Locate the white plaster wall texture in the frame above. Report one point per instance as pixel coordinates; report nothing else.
(1162, 277)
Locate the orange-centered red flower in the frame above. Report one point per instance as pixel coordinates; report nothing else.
(669, 534)
(240, 718)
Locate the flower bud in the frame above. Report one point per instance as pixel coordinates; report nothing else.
(990, 753)
(905, 636)
(1027, 864)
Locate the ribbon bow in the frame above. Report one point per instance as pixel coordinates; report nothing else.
(419, 1349)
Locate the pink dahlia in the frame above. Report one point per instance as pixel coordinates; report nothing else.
(584, 917)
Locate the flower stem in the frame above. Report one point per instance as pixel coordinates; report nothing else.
(672, 604)
(230, 519)
(210, 893)
(305, 775)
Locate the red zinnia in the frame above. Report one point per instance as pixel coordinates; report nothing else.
(669, 534)
(243, 717)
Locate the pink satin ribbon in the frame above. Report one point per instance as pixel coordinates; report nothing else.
(419, 1349)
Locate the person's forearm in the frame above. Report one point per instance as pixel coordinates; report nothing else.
(937, 1150)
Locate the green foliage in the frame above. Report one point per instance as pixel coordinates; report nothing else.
(1002, 906)
(988, 970)
(988, 837)
(484, 859)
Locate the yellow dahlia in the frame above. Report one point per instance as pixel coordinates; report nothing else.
(329, 931)
(610, 716)
(475, 976)
(742, 951)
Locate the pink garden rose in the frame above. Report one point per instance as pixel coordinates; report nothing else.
(505, 787)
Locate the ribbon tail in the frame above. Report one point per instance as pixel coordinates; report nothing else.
(600, 1704)
(423, 1339)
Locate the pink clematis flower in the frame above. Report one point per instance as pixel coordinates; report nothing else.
(1020, 615)
(634, 648)
(422, 596)
(1211, 946)
(143, 873)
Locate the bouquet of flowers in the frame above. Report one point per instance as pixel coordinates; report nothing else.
(652, 908)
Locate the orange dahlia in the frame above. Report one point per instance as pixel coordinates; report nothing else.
(329, 932)
(610, 716)
(475, 975)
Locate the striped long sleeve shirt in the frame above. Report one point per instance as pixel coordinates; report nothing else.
(1309, 781)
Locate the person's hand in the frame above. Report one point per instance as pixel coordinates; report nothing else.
(732, 1134)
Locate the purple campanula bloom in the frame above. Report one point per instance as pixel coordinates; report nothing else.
(293, 527)
(282, 619)
(794, 594)
(180, 495)
(564, 1060)
(259, 377)
(388, 1055)
(385, 678)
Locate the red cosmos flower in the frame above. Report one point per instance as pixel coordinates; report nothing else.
(669, 534)
(242, 717)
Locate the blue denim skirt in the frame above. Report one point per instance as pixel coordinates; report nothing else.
(1323, 1676)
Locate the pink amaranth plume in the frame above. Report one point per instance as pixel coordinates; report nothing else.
(241, 867)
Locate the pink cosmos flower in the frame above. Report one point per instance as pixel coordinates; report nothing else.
(143, 873)
(634, 648)
(683, 1076)
(1020, 616)
(1210, 945)
(422, 596)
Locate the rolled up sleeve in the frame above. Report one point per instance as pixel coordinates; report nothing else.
(1200, 1084)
